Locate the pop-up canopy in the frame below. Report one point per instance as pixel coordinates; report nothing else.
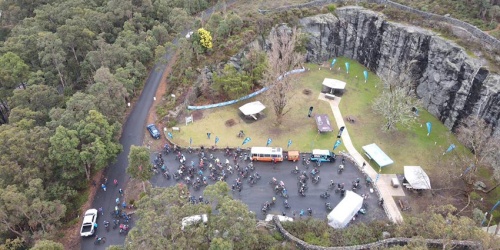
(375, 153)
(417, 177)
(252, 108)
(333, 83)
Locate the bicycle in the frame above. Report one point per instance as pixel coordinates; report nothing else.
(99, 240)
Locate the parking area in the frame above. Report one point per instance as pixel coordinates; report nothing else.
(256, 195)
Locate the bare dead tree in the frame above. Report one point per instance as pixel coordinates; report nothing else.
(282, 58)
(477, 136)
(398, 99)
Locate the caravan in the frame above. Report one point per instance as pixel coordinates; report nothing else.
(322, 155)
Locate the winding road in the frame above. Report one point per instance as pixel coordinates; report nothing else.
(132, 134)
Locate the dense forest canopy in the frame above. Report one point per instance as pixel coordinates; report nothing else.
(67, 70)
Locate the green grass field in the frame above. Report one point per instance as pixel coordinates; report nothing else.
(296, 125)
(408, 147)
(405, 146)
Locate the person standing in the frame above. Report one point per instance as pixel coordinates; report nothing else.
(208, 135)
(103, 186)
(115, 181)
(101, 211)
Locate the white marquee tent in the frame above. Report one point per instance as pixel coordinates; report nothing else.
(333, 83)
(342, 214)
(416, 177)
(252, 108)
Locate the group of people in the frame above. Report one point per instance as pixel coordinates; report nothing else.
(119, 210)
(220, 169)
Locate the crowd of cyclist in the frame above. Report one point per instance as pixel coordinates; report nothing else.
(120, 219)
(205, 168)
(197, 173)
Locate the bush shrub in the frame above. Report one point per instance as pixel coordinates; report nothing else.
(331, 7)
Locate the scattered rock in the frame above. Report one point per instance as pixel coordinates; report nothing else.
(479, 185)
(386, 235)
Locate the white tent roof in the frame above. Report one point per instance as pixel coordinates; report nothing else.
(377, 155)
(417, 177)
(342, 214)
(252, 108)
(333, 83)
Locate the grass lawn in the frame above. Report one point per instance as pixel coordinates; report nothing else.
(408, 147)
(405, 146)
(296, 125)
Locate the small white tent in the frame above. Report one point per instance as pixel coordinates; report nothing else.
(340, 216)
(252, 108)
(416, 177)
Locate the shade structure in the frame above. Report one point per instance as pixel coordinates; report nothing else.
(417, 177)
(342, 214)
(333, 83)
(323, 123)
(252, 108)
(376, 154)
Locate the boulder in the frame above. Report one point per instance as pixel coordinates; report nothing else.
(386, 235)
(479, 185)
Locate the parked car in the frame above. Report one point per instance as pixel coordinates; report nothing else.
(153, 130)
(89, 219)
(322, 155)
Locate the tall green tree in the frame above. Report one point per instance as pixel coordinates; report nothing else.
(110, 95)
(37, 98)
(161, 212)
(232, 83)
(87, 148)
(77, 108)
(139, 164)
(13, 73)
(28, 210)
(52, 54)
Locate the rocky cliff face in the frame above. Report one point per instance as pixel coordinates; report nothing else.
(451, 84)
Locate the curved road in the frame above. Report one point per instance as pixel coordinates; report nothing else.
(132, 134)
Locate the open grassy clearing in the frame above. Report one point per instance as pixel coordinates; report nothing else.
(296, 125)
(405, 146)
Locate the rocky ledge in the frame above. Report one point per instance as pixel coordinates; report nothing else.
(451, 84)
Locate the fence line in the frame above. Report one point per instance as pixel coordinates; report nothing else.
(381, 244)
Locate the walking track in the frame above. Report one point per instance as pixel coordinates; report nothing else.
(385, 188)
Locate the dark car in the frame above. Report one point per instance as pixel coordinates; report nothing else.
(155, 133)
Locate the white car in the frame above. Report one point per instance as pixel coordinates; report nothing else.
(89, 219)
